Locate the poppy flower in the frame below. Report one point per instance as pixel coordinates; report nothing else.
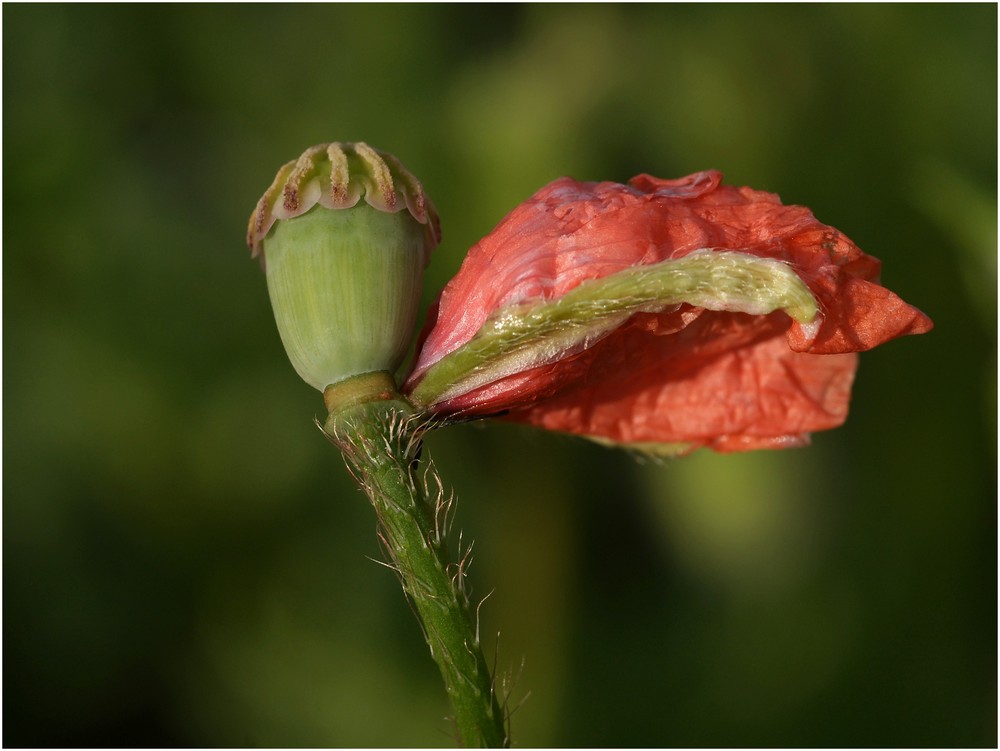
(663, 315)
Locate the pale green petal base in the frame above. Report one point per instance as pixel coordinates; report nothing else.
(540, 332)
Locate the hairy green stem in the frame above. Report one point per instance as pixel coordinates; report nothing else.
(379, 434)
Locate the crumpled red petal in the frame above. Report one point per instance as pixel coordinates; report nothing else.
(727, 380)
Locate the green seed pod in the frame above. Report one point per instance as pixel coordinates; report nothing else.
(344, 276)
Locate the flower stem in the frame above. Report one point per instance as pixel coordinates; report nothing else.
(379, 434)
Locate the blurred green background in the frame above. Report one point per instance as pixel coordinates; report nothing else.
(184, 555)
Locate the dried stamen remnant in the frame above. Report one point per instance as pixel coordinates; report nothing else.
(378, 172)
(340, 175)
(336, 176)
(305, 167)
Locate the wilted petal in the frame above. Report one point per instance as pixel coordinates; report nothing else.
(565, 234)
(727, 381)
(693, 374)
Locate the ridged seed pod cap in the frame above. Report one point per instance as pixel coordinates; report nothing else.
(344, 275)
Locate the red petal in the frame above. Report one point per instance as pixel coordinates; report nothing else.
(565, 234)
(727, 380)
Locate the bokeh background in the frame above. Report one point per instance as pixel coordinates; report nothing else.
(185, 562)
